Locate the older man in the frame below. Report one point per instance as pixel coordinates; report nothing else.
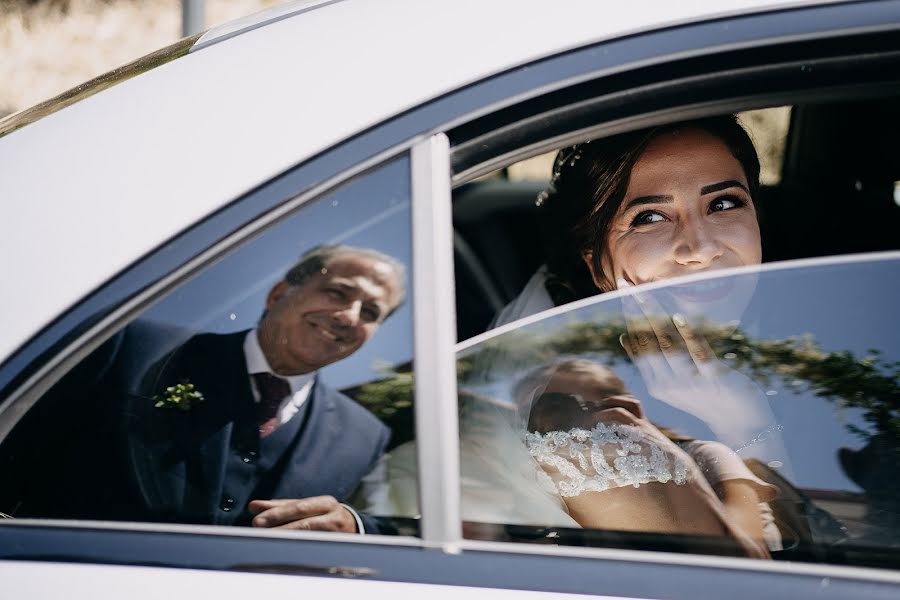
(269, 445)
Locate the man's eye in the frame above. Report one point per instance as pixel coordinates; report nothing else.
(725, 203)
(646, 217)
(335, 293)
(371, 314)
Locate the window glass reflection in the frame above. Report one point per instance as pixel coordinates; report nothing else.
(252, 394)
(752, 414)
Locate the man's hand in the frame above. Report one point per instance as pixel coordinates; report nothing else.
(319, 513)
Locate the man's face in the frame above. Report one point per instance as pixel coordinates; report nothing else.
(329, 316)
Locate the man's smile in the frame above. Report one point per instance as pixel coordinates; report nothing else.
(326, 333)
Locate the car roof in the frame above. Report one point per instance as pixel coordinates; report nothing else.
(102, 182)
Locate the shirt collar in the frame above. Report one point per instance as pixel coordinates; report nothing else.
(257, 363)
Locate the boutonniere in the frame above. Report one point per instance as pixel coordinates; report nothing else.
(183, 396)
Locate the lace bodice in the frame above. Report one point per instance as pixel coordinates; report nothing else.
(609, 455)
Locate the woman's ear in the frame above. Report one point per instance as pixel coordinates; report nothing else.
(597, 276)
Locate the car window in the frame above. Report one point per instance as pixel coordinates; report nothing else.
(752, 413)
(261, 378)
(571, 340)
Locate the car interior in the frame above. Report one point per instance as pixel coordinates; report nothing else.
(837, 194)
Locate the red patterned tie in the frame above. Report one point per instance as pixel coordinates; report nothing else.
(272, 390)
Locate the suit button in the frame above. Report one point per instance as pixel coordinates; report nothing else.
(227, 504)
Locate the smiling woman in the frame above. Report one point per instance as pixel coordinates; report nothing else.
(651, 204)
(634, 209)
(653, 269)
(672, 221)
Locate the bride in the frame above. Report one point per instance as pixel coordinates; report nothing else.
(621, 212)
(639, 208)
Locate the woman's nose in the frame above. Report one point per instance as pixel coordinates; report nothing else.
(697, 245)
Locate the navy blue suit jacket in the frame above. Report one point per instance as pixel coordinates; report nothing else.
(178, 458)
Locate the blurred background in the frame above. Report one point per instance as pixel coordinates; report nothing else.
(49, 46)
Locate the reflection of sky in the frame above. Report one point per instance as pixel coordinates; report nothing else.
(371, 211)
(846, 307)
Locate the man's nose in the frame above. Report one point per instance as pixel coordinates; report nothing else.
(349, 315)
(697, 244)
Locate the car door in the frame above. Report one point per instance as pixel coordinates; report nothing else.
(216, 275)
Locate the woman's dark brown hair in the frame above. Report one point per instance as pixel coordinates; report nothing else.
(589, 183)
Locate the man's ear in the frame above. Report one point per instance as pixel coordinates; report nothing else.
(278, 290)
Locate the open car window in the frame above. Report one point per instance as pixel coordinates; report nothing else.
(749, 412)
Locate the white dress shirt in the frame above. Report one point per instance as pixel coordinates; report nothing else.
(301, 386)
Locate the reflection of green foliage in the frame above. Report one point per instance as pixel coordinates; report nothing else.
(869, 383)
(511, 351)
(390, 399)
(386, 397)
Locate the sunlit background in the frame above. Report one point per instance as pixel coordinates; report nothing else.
(49, 46)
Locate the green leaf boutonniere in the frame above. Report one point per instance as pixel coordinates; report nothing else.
(183, 396)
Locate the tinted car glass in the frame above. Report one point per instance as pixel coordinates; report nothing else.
(164, 421)
(632, 419)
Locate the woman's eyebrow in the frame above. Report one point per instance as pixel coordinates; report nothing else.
(663, 199)
(722, 185)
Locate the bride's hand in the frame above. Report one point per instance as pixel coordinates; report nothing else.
(679, 367)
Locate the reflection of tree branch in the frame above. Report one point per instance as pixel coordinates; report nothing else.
(870, 383)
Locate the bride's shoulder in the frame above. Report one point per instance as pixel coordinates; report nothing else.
(531, 300)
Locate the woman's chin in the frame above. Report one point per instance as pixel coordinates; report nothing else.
(715, 301)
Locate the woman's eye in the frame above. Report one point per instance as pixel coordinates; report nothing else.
(646, 217)
(725, 203)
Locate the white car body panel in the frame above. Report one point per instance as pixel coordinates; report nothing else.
(37, 581)
(158, 152)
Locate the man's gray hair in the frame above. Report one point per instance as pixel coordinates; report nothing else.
(317, 259)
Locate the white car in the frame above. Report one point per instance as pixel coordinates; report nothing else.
(167, 198)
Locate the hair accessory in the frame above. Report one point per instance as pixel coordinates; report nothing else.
(567, 156)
